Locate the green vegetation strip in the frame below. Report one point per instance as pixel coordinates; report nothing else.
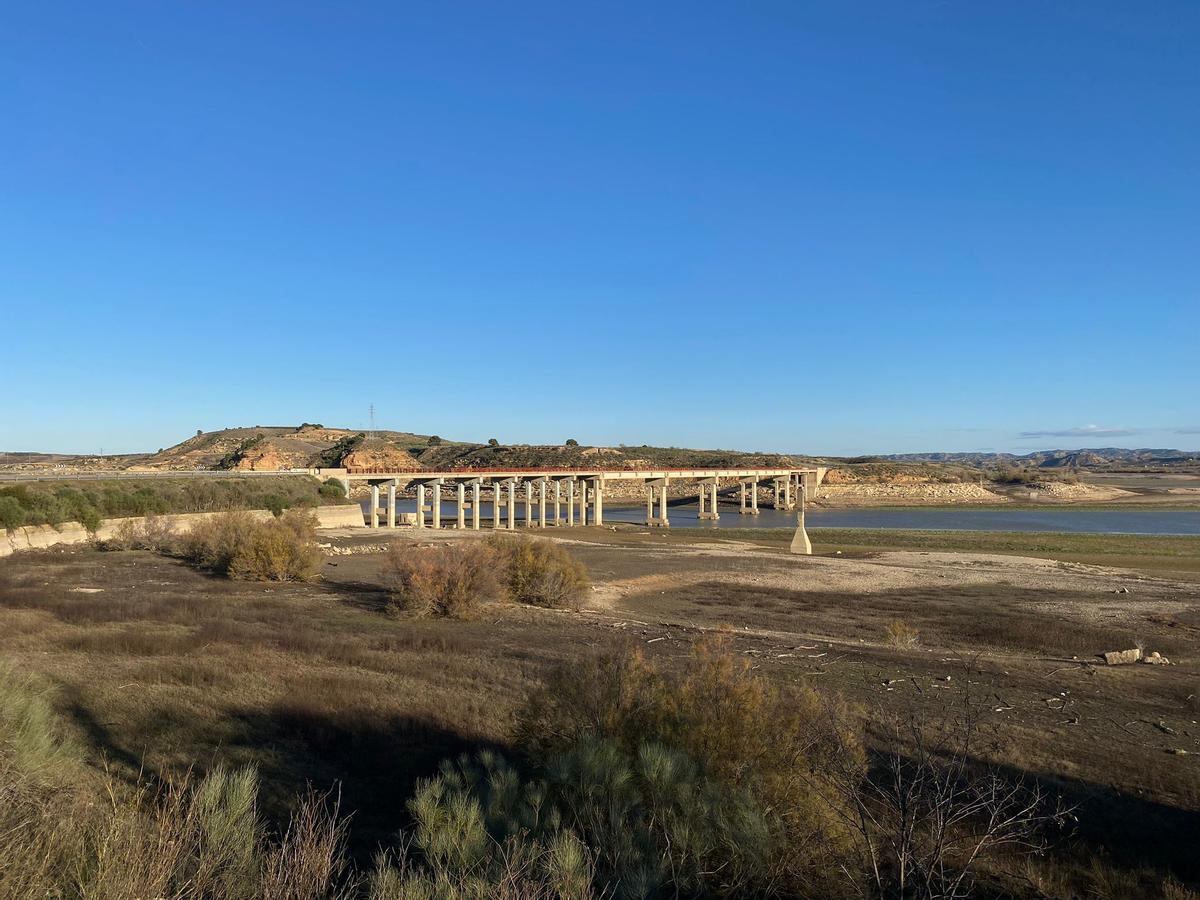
(53, 503)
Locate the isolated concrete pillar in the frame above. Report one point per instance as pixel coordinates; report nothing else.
(598, 501)
(374, 506)
(475, 485)
(462, 505)
(800, 542)
(420, 506)
(542, 503)
(570, 502)
(391, 505)
(436, 503)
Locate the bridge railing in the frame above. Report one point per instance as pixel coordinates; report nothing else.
(550, 470)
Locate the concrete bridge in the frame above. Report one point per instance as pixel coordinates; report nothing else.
(548, 493)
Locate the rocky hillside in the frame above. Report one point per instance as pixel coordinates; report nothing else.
(267, 448)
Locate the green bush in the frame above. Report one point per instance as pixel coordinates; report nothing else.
(12, 514)
(783, 746)
(332, 489)
(51, 503)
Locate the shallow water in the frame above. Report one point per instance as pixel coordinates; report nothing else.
(1083, 521)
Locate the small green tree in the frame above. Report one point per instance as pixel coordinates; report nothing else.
(571, 442)
(492, 442)
(12, 514)
(435, 441)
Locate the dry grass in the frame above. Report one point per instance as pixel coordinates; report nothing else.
(902, 635)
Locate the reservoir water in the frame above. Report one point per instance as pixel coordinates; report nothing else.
(1086, 521)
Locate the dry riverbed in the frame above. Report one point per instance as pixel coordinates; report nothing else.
(166, 668)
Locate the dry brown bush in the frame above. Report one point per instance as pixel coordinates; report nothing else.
(213, 543)
(541, 573)
(282, 549)
(445, 580)
(902, 635)
(241, 546)
(151, 533)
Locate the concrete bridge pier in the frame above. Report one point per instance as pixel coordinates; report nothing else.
(570, 502)
(462, 506)
(542, 503)
(557, 502)
(657, 488)
(497, 498)
(800, 542)
(475, 511)
(374, 505)
(420, 520)
(583, 501)
(708, 499)
(391, 504)
(512, 504)
(435, 502)
(598, 501)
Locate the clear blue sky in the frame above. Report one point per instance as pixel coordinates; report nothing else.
(820, 227)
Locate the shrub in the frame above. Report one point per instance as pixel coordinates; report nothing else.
(12, 515)
(445, 580)
(151, 533)
(213, 543)
(68, 834)
(89, 517)
(283, 549)
(902, 635)
(332, 489)
(541, 573)
(435, 441)
(493, 442)
(786, 747)
(571, 442)
(334, 455)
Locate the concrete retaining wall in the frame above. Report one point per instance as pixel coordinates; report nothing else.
(36, 537)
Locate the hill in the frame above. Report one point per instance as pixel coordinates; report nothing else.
(1097, 459)
(265, 448)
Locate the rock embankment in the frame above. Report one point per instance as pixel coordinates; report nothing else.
(905, 494)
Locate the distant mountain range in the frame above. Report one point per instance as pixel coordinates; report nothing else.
(1097, 458)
